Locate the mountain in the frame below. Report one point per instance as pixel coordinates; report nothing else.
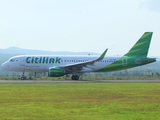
(16, 50)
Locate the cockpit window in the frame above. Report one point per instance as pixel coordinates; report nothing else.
(11, 60)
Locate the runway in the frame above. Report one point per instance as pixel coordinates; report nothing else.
(77, 81)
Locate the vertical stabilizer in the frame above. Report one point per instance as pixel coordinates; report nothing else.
(142, 46)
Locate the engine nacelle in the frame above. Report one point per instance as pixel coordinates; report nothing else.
(56, 72)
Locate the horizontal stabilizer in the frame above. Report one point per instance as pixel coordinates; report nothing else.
(145, 60)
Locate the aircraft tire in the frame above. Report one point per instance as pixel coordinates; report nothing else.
(75, 77)
(23, 78)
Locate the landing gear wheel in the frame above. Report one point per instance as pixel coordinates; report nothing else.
(23, 78)
(75, 77)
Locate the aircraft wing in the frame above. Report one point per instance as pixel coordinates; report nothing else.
(80, 65)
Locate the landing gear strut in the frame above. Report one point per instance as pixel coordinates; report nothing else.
(35, 75)
(75, 77)
(23, 76)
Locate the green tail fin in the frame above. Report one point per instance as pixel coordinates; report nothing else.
(141, 47)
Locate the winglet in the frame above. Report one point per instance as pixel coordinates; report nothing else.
(102, 55)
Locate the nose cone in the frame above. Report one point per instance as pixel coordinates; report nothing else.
(4, 66)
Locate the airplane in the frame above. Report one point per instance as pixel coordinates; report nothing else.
(60, 65)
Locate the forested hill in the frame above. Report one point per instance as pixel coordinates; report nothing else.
(21, 51)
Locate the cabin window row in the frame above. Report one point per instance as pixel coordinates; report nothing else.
(87, 60)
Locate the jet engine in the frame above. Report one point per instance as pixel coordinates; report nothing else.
(56, 72)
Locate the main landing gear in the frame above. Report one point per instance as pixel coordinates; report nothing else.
(75, 77)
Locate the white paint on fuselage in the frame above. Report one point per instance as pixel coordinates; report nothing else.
(35, 63)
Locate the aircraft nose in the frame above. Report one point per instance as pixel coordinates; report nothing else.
(4, 66)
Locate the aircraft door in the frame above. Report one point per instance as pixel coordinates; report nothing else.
(22, 61)
(124, 61)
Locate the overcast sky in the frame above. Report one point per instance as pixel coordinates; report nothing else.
(79, 25)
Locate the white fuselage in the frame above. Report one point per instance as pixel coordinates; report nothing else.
(42, 63)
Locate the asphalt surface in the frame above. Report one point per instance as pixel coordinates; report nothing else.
(78, 81)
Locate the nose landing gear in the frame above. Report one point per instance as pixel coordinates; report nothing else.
(23, 76)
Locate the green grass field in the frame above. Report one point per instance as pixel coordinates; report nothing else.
(80, 101)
